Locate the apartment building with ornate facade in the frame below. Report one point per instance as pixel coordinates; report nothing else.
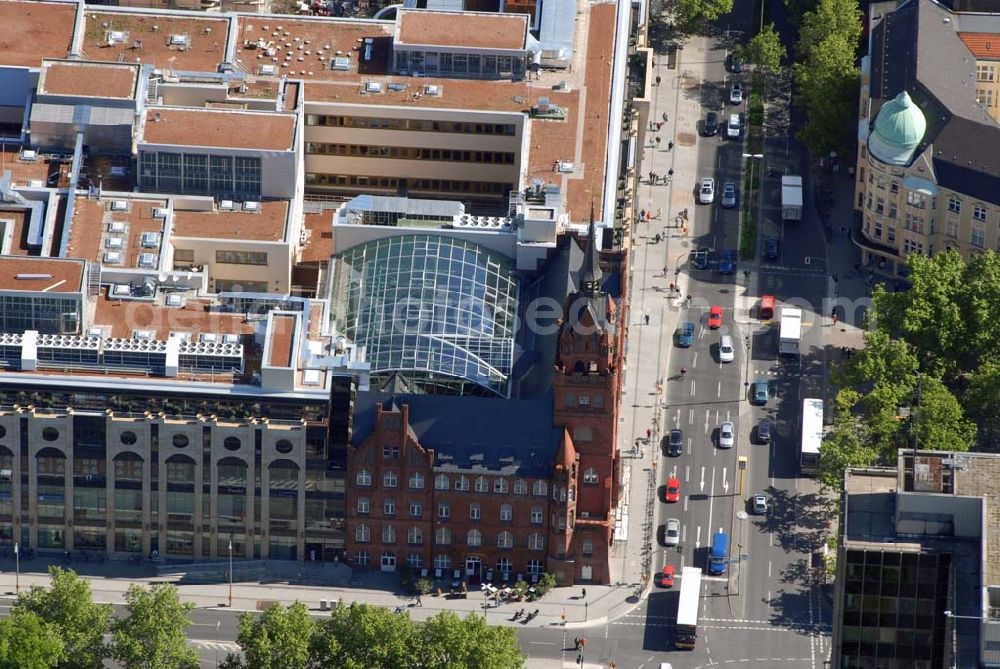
(927, 174)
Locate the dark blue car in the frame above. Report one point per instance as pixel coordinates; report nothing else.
(727, 262)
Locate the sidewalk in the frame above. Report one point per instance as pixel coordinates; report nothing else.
(603, 603)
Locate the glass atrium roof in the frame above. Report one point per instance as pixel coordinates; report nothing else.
(429, 306)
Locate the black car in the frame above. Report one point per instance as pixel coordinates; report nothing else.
(764, 432)
(700, 257)
(736, 64)
(711, 124)
(675, 443)
(772, 248)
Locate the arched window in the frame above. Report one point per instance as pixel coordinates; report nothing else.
(539, 488)
(414, 536)
(590, 476)
(500, 486)
(588, 547)
(520, 487)
(462, 484)
(363, 478)
(505, 540)
(388, 534)
(442, 536)
(474, 538)
(416, 481)
(362, 534)
(536, 542)
(441, 482)
(481, 484)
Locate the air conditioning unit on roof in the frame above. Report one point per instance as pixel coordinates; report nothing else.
(251, 206)
(119, 205)
(160, 212)
(226, 205)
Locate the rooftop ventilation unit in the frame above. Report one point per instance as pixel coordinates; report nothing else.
(35, 183)
(208, 338)
(373, 87)
(119, 205)
(115, 37)
(266, 70)
(114, 242)
(311, 377)
(340, 63)
(230, 339)
(178, 40)
(565, 167)
(29, 154)
(113, 257)
(117, 226)
(147, 260)
(95, 332)
(175, 300)
(143, 335)
(121, 290)
(432, 90)
(160, 212)
(398, 88)
(226, 205)
(150, 240)
(252, 207)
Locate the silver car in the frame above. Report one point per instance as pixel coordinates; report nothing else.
(760, 505)
(726, 351)
(727, 435)
(736, 93)
(729, 195)
(672, 536)
(706, 191)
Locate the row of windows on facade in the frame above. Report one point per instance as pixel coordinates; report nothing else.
(179, 469)
(421, 125)
(444, 537)
(877, 230)
(444, 510)
(130, 438)
(390, 479)
(165, 172)
(416, 185)
(919, 200)
(570, 400)
(504, 566)
(410, 153)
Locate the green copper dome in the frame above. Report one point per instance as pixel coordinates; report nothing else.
(899, 127)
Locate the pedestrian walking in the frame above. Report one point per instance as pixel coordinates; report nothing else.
(647, 319)
(657, 140)
(670, 146)
(665, 117)
(576, 643)
(649, 433)
(657, 80)
(651, 176)
(585, 590)
(649, 216)
(659, 125)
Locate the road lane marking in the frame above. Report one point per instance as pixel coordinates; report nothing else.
(684, 534)
(692, 388)
(687, 473)
(689, 446)
(695, 363)
(697, 541)
(686, 498)
(769, 574)
(690, 416)
(703, 478)
(719, 392)
(711, 498)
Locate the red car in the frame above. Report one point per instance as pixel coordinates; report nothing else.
(666, 578)
(673, 492)
(715, 317)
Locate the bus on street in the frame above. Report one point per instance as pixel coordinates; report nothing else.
(687, 608)
(812, 436)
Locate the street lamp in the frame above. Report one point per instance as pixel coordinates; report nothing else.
(230, 572)
(17, 568)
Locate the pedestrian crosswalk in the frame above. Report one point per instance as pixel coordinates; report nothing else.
(220, 646)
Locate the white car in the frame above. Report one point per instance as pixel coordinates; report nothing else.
(726, 351)
(736, 93)
(726, 435)
(706, 191)
(672, 536)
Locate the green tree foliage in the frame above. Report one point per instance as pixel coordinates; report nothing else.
(69, 607)
(693, 12)
(361, 636)
(451, 642)
(826, 76)
(765, 49)
(279, 638)
(153, 635)
(28, 642)
(982, 400)
(846, 445)
(939, 421)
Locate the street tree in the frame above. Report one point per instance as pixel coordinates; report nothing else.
(828, 18)
(69, 606)
(844, 446)
(828, 82)
(451, 642)
(693, 12)
(765, 49)
(153, 635)
(28, 642)
(982, 401)
(939, 420)
(362, 636)
(280, 637)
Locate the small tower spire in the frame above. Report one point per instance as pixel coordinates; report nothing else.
(591, 274)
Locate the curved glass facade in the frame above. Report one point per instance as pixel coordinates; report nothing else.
(439, 309)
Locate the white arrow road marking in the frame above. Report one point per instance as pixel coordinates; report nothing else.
(703, 478)
(697, 540)
(706, 420)
(725, 481)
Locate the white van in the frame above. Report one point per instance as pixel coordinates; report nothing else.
(726, 351)
(733, 127)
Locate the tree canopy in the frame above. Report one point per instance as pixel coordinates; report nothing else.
(765, 49)
(69, 607)
(691, 12)
(153, 635)
(28, 642)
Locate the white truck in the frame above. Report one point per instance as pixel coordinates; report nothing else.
(791, 197)
(791, 331)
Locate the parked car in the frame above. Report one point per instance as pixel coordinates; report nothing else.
(715, 317)
(706, 191)
(729, 195)
(666, 578)
(727, 262)
(764, 431)
(672, 532)
(736, 64)
(685, 338)
(761, 390)
(711, 126)
(700, 257)
(758, 504)
(734, 127)
(673, 443)
(727, 435)
(772, 248)
(726, 351)
(736, 93)
(673, 492)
